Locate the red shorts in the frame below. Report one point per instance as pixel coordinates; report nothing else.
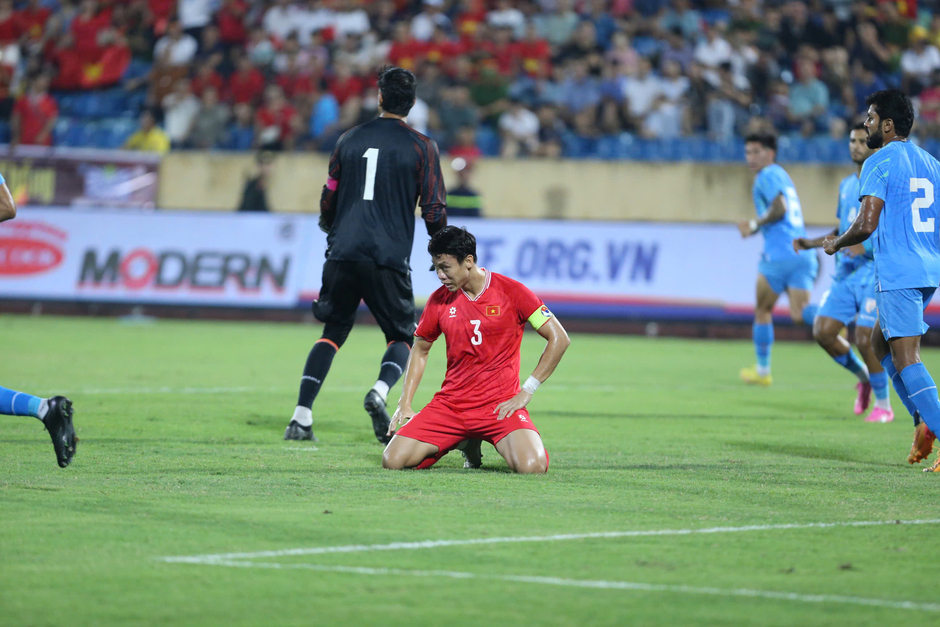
(445, 427)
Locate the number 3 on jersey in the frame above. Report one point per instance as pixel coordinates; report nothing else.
(922, 226)
(372, 161)
(477, 339)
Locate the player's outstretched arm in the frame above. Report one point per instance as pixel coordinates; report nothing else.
(865, 224)
(776, 212)
(414, 370)
(806, 243)
(7, 205)
(558, 343)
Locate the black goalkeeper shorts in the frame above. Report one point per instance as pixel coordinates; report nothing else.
(387, 293)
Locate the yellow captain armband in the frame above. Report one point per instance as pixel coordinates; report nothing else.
(540, 316)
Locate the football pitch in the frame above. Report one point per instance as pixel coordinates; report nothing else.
(675, 495)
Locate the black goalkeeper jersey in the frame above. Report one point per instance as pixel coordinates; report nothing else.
(380, 169)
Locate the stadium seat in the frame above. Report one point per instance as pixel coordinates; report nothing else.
(488, 141)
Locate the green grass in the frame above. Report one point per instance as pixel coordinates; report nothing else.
(182, 454)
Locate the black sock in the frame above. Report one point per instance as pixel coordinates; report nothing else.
(393, 363)
(318, 364)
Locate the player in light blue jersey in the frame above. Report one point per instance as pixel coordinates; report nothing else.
(897, 192)
(852, 297)
(782, 269)
(54, 413)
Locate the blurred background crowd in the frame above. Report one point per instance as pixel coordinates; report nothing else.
(541, 78)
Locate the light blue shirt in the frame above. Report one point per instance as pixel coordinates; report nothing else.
(907, 247)
(846, 213)
(769, 183)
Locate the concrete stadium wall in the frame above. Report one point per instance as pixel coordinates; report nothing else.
(592, 190)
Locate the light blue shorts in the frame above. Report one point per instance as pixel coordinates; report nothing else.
(901, 312)
(799, 272)
(852, 296)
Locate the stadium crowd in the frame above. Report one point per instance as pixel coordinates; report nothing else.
(525, 73)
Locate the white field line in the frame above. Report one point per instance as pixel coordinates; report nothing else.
(604, 585)
(433, 544)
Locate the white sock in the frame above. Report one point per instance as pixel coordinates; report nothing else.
(382, 388)
(43, 409)
(303, 416)
(763, 370)
(883, 403)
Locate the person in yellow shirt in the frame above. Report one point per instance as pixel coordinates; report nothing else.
(150, 137)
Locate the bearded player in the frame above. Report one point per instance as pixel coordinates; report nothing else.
(481, 315)
(852, 297)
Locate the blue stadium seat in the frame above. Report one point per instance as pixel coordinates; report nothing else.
(647, 46)
(136, 69)
(608, 147)
(713, 16)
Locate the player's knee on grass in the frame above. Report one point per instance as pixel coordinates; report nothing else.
(534, 465)
(402, 453)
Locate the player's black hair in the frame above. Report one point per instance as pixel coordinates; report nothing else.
(893, 104)
(767, 140)
(454, 241)
(397, 86)
(858, 126)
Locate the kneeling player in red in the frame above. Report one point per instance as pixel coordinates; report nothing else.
(482, 315)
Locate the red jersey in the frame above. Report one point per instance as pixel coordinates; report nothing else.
(483, 338)
(281, 118)
(245, 87)
(35, 112)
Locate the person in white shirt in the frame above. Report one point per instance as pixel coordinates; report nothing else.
(350, 19)
(519, 128)
(195, 15)
(423, 24)
(665, 118)
(179, 110)
(506, 15)
(712, 50)
(641, 91)
(281, 19)
(919, 61)
(312, 19)
(176, 47)
(419, 116)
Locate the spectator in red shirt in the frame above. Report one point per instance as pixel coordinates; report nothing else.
(534, 53)
(344, 84)
(9, 24)
(276, 122)
(85, 29)
(34, 115)
(465, 145)
(472, 14)
(296, 80)
(231, 21)
(442, 49)
(246, 84)
(502, 49)
(206, 76)
(32, 20)
(406, 51)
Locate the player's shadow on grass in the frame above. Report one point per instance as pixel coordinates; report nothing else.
(808, 452)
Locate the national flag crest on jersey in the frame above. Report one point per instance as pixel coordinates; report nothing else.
(492, 310)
